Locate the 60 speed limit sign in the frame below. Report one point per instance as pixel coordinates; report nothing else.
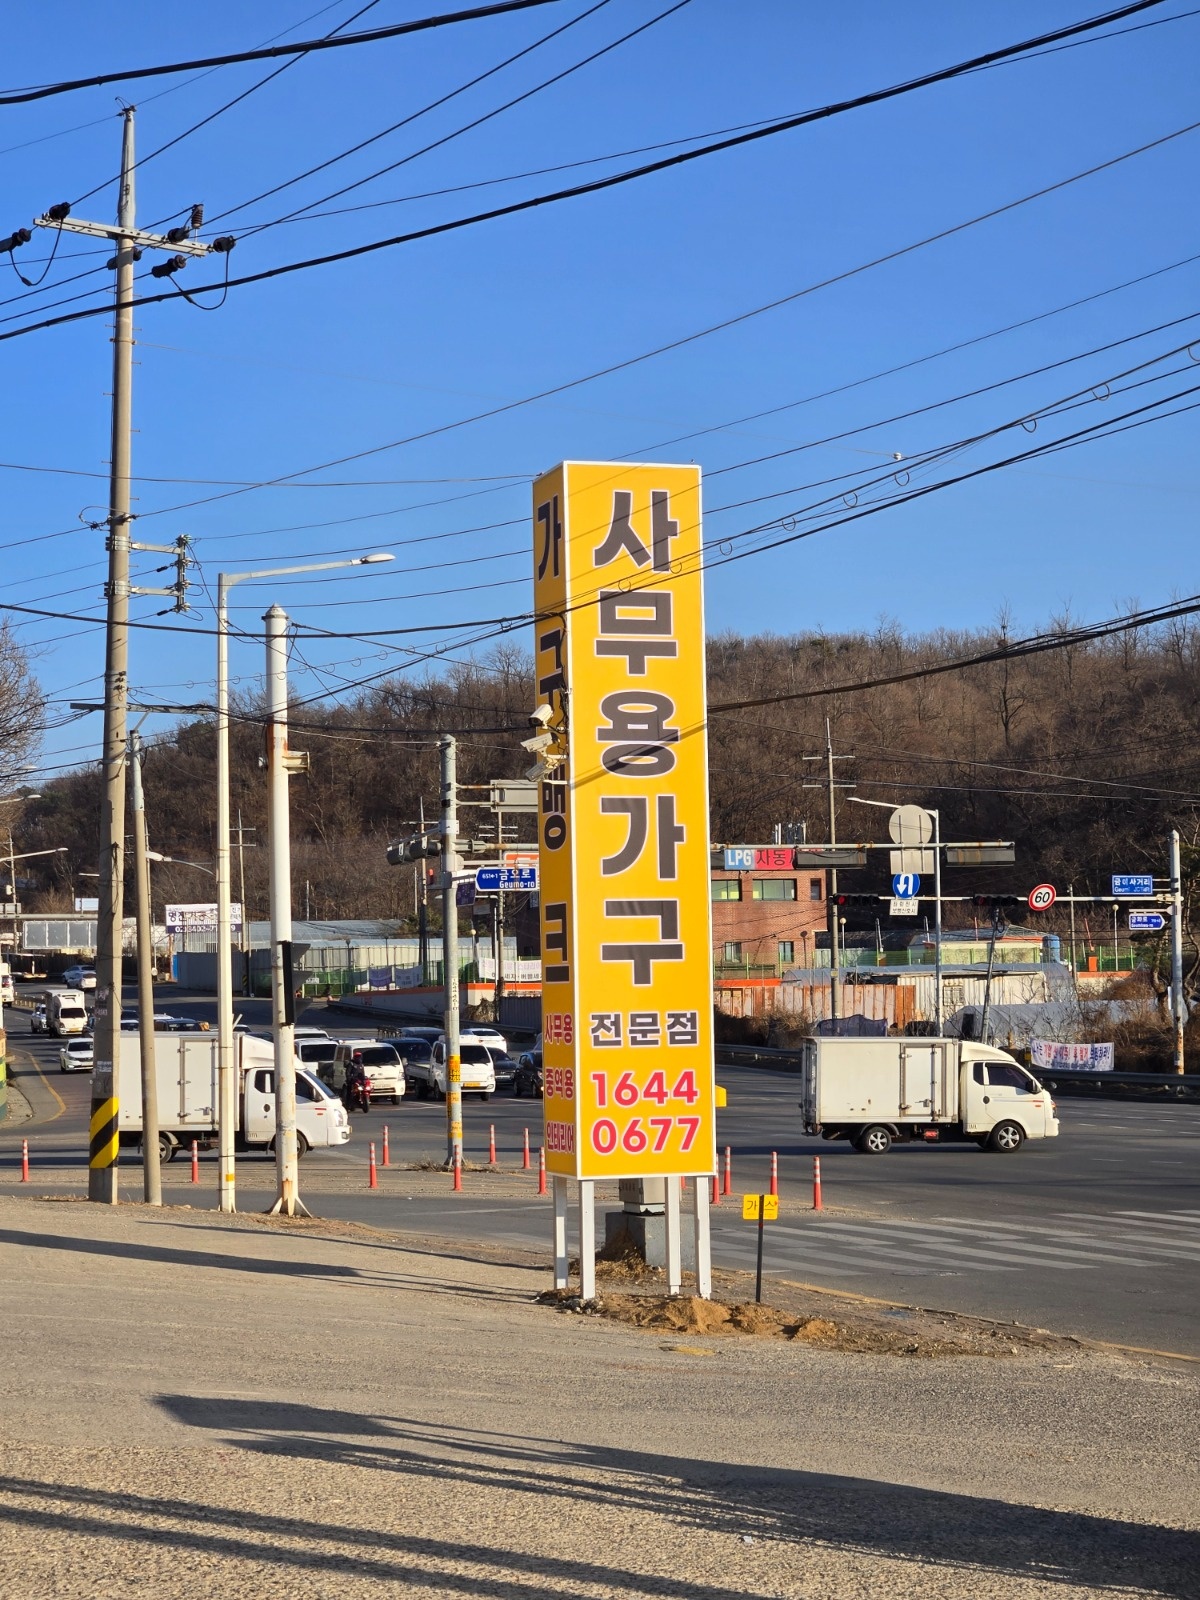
(1043, 897)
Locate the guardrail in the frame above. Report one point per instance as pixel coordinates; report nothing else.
(1166, 1088)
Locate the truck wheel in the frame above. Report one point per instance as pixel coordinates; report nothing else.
(874, 1141)
(166, 1147)
(301, 1146)
(1006, 1137)
(518, 1090)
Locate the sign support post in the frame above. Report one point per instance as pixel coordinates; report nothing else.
(703, 1241)
(587, 1239)
(561, 1255)
(1178, 1004)
(673, 1237)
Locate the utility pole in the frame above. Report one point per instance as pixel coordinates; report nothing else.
(831, 885)
(1178, 1003)
(129, 242)
(423, 908)
(151, 1171)
(281, 762)
(243, 946)
(454, 1127)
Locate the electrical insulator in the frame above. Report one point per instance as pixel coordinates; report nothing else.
(20, 237)
(164, 269)
(224, 244)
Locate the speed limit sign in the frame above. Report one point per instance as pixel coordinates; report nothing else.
(1043, 897)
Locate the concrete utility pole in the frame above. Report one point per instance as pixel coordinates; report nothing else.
(102, 1149)
(937, 913)
(129, 243)
(835, 998)
(454, 1127)
(1178, 1003)
(280, 762)
(151, 1171)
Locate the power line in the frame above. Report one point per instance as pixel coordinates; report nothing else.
(412, 117)
(370, 36)
(221, 110)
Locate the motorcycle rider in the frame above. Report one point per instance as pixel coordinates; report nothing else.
(357, 1087)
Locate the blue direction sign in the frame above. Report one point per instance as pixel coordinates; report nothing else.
(492, 879)
(1132, 883)
(906, 885)
(1146, 922)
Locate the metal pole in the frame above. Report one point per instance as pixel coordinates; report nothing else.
(1178, 1003)
(835, 999)
(243, 934)
(762, 1206)
(103, 1145)
(151, 1170)
(1116, 951)
(1074, 969)
(454, 1126)
(987, 982)
(937, 924)
(423, 911)
(283, 999)
(227, 1095)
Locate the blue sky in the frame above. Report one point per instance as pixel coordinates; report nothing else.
(326, 363)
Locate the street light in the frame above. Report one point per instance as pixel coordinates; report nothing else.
(156, 855)
(894, 805)
(226, 1087)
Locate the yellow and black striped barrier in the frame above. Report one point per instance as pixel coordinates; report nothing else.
(103, 1142)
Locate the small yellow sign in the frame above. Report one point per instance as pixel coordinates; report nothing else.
(768, 1202)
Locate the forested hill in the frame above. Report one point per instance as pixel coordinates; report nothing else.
(1085, 756)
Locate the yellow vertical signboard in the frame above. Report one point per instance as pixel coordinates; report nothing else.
(623, 822)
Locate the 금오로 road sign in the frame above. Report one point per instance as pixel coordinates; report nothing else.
(1146, 922)
(490, 880)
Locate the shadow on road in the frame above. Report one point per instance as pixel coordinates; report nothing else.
(795, 1508)
(161, 1255)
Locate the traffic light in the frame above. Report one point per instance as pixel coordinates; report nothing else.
(414, 848)
(861, 902)
(997, 902)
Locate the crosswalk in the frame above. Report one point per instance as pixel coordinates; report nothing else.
(1065, 1241)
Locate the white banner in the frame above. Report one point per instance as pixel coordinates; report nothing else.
(199, 917)
(1075, 1057)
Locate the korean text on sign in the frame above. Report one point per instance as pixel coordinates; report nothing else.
(623, 821)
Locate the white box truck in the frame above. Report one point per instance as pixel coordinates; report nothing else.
(187, 1095)
(874, 1092)
(66, 1012)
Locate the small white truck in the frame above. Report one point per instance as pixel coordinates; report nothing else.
(429, 1076)
(875, 1092)
(66, 1012)
(187, 1095)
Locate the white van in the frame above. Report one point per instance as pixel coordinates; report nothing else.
(478, 1073)
(7, 992)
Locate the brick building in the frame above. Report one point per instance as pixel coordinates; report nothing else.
(766, 912)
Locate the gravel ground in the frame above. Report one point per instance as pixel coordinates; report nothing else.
(200, 1406)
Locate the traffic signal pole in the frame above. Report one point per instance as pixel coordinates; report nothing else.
(454, 1126)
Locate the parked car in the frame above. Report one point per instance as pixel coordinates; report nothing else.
(37, 1020)
(430, 1035)
(528, 1079)
(503, 1065)
(80, 978)
(75, 1055)
(316, 1054)
(312, 1033)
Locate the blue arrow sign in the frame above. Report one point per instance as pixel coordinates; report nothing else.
(906, 885)
(492, 879)
(1133, 883)
(1146, 922)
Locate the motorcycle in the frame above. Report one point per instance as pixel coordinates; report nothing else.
(358, 1095)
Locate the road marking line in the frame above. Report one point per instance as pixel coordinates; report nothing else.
(62, 1104)
(1093, 1255)
(933, 1248)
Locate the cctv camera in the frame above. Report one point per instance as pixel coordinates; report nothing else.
(540, 717)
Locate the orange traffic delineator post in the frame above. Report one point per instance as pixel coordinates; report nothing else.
(457, 1173)
(817, 1203)
(542, 1170)
(24, 1160)
(387, 1155)
(525, 1155)
(372, 1175)
(683, 1185)
(774, 1189)
(195, 1162)
(727, 1187)
(716, 1190)
(492, 1143)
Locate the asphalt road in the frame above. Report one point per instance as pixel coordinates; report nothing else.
(1096, 1233)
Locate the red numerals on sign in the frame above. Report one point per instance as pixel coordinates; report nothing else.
(560, 1083)
(559, 1027)
(634, 1138)
(625, 1091)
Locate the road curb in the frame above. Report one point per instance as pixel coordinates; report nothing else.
(44, 1102)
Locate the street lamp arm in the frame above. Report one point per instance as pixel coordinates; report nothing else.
(157, 855)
